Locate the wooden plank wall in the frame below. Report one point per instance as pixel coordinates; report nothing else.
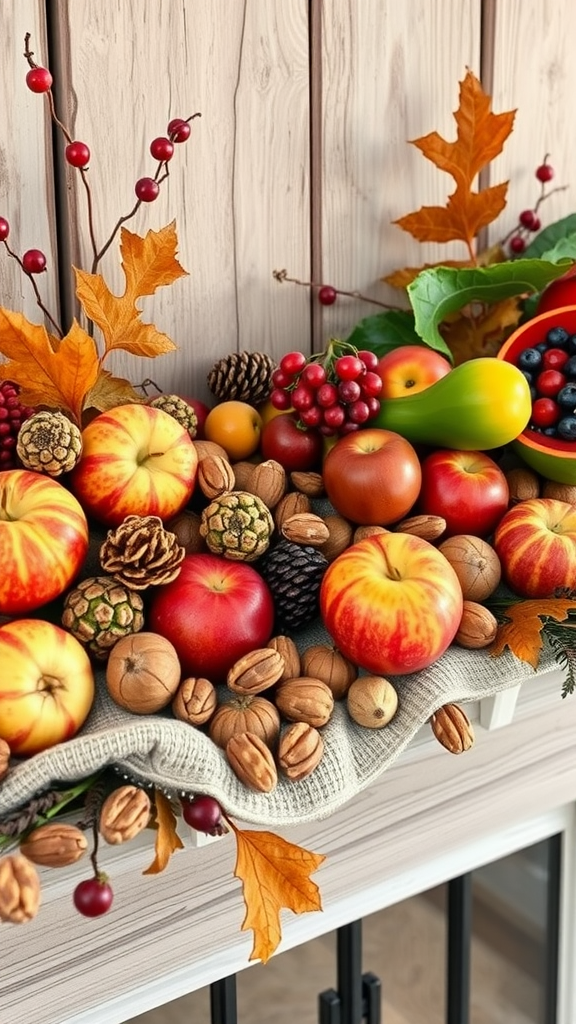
(299, 161)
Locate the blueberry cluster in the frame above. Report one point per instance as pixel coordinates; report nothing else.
(550, 369)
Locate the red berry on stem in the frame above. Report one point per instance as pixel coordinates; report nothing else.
(371, 385)
(370, 359)
(147, 189)
(179, 129)
(327, 295)
(4, 229)
(34, 261)
(280, 399)
(544, 172)
(349, 367)
(302, 398)
(517, 244)
(529, 220)
(334, 416)
(77, 154)
(327, 395)
(39, 80)
(281, 379)
(314, 375)
(311, 417)
(162, 149)
(292, 363)
(93, 897)
(358, 412)
(204, 814)
(349, 390)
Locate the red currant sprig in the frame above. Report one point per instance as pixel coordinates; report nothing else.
(326, 294)
(335, 391)
(529, 221)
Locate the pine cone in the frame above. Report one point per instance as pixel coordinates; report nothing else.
(293, 573)
(179, 409)
(243, 376)
(237, 525)
(99, 611)
(141, 553)
(48, 442)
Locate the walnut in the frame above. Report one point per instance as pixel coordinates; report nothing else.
(287, 648)
(310, 483)
(186, 528)
(124, 814)
(361, 532)
(215, 476)
(305, 699)
(195, 701)
(290, 505)
(55, 845)
(268, 481)
(523, 484)
(256, 671)
(305, 528)
(205, 448)
(19, 889)
(339, 536)
(252, 762)
(300, 750)
(328, 664)
(475, 563)
(478, 626)
(452, 728)
(427, 527)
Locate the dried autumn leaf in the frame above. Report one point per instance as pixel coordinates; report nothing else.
(109, 391)
(275, 874)
(521, 633)
(480, 137)
(470, 337)
(49, 371)
(148, 263)
(167, 838)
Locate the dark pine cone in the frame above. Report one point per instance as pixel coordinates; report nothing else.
(242, 376)
(294, 573)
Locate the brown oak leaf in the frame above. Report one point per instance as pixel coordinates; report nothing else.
(275, 875)
(167, 838)
(521, 633)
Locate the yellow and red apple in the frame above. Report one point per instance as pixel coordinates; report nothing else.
(136, 460)
(410, 368)
(468, 489)
(392, 603)
(536, 544)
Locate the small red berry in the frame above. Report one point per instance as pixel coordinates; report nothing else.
(544, 173)
(179, 129)
(77, 154)
(517, 244)
(327, 295)
(4, 229)
(34, 261)
(529, 220)
(162, 149)
(204, 814)
(93, 897)
(39, 80)
(545, 412)
(147, 189)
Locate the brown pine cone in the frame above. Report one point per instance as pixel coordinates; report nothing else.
(141, 553)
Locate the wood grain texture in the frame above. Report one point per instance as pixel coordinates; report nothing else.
(176, 932)
(238, 189)
(390, 73)
(26, 183)
(540, 89)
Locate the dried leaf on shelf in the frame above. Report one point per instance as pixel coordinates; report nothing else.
(167, 838)
(275, 874)
(524, 622)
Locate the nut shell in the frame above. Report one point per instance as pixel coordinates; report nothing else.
(478, 626)
(195, 701)
(328, 664)
(340, 533)
(252, 762)
(257, 715)
(215, 476)
(452, 728)
(289, 651)
(19, 889)
(523, 484)
(55, 845)
(311, 484)
(124, 814)
(143, 673)
(291, 504)
(305, 699)
(300, 750)
(427, 527)
(256, 671)
(367, 531)
(372, 701)
(268, 480)
(305, 528)
(475, 563)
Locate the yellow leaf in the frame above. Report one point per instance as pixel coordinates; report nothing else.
(167, 838)
(48, 372)
(402, 278)
(148, 263)
(110, 391)
(522, 632)
(275, 874)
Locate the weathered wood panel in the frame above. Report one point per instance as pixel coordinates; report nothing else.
(26, 193)
(238, 189)
(390, 73)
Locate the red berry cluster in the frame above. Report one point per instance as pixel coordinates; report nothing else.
(529, 221)
(12, 415)
(334, 392)
(162, 149)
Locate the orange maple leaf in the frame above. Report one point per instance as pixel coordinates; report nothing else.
(148, 263)
(275, 874)
(49, 371)
(481, 135)
(521, 633)
(167, 838)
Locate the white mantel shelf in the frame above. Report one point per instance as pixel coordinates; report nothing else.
(429, 818)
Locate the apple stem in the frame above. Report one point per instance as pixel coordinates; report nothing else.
(393, 572)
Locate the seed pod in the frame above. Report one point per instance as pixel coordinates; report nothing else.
(19, 889)
(372, 701)
(252, 761)
(300, 750)
(328, 664)
(305, 700)
(55, 845)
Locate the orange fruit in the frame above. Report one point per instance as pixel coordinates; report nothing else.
(236, 426)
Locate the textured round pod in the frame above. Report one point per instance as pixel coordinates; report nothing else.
(253, 714)
(100, 611)
(475, 563)
(372, 701)
(328, 664)
(48, 442)
(143, 673)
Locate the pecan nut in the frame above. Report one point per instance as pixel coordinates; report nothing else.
(427, 527)
(300, 750)
(19, 889)
(252, 762)
(478, 626)
(195, 700)
(290, 505)
(269, 481)
(124, 814)
(305, 699)
(256, 671)
(309, 483)
(54, 845)
(452, 728)
(305, 528)
(215, 476)
(289, 651)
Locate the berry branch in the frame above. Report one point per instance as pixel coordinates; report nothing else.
(33, 262)
(529, 221)
(327, 295)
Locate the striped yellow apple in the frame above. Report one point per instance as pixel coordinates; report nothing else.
(392, 603)
(536, 544)
(136, 460)
(46, 685)
(43, 540)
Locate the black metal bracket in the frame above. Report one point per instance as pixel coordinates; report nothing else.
(223, 1009)
(358, 998)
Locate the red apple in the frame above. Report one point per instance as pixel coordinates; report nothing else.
(410, 368)
(43, 540)
(294, 447)
(536, 544)
(214, 612)
(46, 685)
(201, 410)
(468, 489)
(136, 460)
(372, 476)
(392, 603)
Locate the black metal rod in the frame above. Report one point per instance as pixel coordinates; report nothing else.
(349, 960)
(459, 941)
(552, 949)
(223, 1009)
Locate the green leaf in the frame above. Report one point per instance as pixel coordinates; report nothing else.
(439, 291)
(547, 238)
(385, 331)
